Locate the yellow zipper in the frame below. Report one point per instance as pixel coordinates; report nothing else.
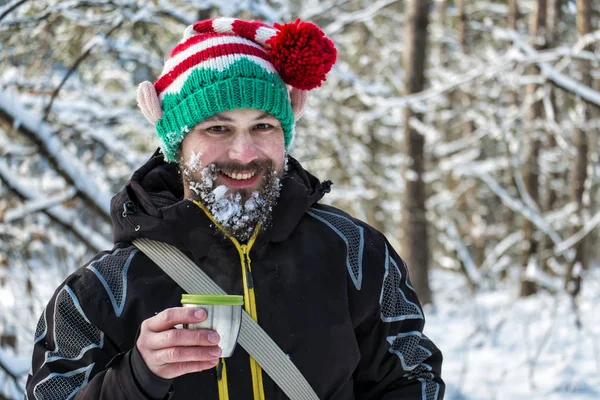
(249, 306)
(222, 380)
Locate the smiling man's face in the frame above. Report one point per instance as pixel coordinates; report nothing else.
(232, 163)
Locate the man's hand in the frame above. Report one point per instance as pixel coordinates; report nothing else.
(169, 352)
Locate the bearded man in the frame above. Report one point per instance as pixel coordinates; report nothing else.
(327, 288)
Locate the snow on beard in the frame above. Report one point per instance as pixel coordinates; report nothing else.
(238, 211)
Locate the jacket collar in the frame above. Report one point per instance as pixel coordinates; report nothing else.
(152, 206)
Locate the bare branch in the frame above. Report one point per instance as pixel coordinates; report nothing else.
(59, 214)
(517, 206)
(360, 15)
(76, 64)
(470, 269)
(500, 249)
(560, 80)
(563, 246)
(177, 17)
(51, 147)
(37, 205)
(11, 7)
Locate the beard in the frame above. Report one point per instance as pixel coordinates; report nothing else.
(238, 211)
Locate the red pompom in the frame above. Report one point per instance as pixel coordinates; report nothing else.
(301, 54)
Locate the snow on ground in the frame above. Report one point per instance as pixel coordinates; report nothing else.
(498, 346)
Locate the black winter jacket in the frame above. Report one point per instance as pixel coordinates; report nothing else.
(329, 289)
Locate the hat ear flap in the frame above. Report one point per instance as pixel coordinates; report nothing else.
(298, 99)
(149, 102)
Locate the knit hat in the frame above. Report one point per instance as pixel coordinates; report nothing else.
(226, 63)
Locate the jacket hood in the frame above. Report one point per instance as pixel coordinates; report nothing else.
(152, 206)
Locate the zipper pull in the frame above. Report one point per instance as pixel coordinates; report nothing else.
(220, 369)
(129, 208)
(249, 280)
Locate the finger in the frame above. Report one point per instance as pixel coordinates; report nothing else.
(170, 317)
(170, 371)
(181, 337)
(174, 355)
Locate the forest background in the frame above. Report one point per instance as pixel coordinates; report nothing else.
(466, 131)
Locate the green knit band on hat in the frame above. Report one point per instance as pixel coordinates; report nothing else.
(207, 92)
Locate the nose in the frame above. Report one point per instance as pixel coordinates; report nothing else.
(243, 148)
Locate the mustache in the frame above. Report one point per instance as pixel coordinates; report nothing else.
(253, 166)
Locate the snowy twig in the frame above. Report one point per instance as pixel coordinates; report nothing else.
(359, 15)
(535, 357)
(89, 47)
(8, 372)
(7, 9)
(385, 104)
(586, 40)
(47, 138)
(57, 213)
(505, 245)
(320, 9)
(16, 370)
(578, 48)
(554, 128)
(533, 273)
(562, 81)
(38, 205)
(175, 16)
(562, 53)
(8, 147)
(563, 246)
(515, 169)
(470, 269)
(517, 206)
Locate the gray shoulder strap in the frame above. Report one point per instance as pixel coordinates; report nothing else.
(252, 337)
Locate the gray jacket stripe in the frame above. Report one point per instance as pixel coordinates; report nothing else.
(62, 386)
(74, 334)
(352, 235)
(111, 270)
(394, 304)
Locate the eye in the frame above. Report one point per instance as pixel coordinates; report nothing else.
(263, 127)
(217, 129)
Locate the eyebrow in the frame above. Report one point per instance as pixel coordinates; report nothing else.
(218, 117)
(263, 116)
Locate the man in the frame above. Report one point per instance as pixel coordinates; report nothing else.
(328, 289)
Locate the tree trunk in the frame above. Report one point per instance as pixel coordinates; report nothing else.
(553, 16)
(467, 205)
(442, 16)
(530, 244)
(594, 157)
(572, 276)
(462, 25)
(514, 100)
(513, 14)
(415, 243)
(513, 18)
(373, 207)
(550, 195)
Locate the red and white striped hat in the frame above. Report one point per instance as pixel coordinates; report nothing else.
(225, 63)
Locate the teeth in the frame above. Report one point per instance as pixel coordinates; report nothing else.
(239, 176)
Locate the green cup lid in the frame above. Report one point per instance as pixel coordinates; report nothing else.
(213, 299)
